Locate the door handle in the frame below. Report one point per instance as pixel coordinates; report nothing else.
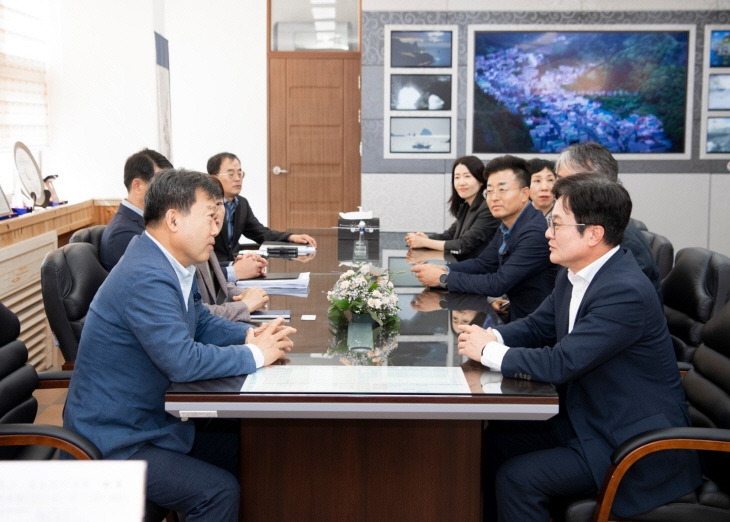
(278, 170)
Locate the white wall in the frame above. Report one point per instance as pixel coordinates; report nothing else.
(218, 87)
(102, 93)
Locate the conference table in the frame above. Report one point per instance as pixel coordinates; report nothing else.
(403, 442)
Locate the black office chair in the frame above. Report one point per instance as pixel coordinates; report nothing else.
(663, 252)
(70, 277)
(695, 290)
(20, 439)
(89, 235)
(707, 386)
(638, 224)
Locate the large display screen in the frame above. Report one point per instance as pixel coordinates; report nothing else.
(540, 91)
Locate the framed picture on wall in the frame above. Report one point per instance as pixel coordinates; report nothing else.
(420, 92)
(720, 49)
(421, 49)
(718, 136)
(718, 97)
(538, 89)
(420, 135)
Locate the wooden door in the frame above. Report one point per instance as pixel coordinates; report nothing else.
(314, 137)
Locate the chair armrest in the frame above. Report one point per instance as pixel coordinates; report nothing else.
(72, 443)
(57, 379)
(639, 446)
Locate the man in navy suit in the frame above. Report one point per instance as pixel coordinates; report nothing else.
(128, 221)
(517, 261)
(146, 328)
(613, 366)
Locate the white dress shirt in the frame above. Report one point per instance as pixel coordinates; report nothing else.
(186, 276)
(494, 351)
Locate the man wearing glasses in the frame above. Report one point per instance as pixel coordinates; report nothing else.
(601, 338)
(517, 260)
(240, 220)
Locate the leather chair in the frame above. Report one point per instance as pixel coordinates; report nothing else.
(695, 290)
(638, 224)
(20, 439)
(70, 277)
(663, 252)
(708, 393)
(89, 235)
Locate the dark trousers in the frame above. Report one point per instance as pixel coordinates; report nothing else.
(526, 463)
(202, 484)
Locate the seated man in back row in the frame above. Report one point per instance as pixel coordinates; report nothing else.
(147, 328)
(593, 158)
(613, 366)
(240, 219)
(517, 260)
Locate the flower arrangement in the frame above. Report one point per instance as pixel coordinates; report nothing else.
(365, 291)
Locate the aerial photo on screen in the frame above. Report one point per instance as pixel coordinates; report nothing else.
(420, 49)
(718, 135)
(538, 92)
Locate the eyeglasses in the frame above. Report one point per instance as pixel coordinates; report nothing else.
(233, 175)
(489, 193)
(552, 225)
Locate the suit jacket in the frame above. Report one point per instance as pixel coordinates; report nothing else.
(246, 224)
(616, 376)
(218, 302)
(523, 272)
(635, 241)
(125, 224)
(471, 232)
(139, 338)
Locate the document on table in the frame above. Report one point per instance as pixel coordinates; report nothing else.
(298, 286)
(357, 379)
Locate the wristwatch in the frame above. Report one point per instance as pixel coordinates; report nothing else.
(442, 279)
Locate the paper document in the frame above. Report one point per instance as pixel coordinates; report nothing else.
(357, 379)
(70, 490)
(277, 246)
(298, 286)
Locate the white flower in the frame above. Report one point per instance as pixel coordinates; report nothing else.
(376, 293)
(390, 285)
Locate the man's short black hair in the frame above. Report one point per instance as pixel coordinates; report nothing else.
(141, 165)
(596, 200)
(536, 165)
(589, 157)
(175, 189)
(507, 162)
(214, 163)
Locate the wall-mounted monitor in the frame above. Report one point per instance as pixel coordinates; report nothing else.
(537, 89)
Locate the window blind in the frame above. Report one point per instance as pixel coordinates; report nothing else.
(23, 65)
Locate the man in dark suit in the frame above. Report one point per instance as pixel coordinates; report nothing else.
(147, 328)
(240, 219)
(128, 221)
(593, 158)
(613, 366)
(517, 260)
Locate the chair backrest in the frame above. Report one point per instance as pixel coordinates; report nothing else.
(663, 252)
(695, 290)
(18, 380)
(89, 235)
(638, 224)
(707, 386)
(70, 277)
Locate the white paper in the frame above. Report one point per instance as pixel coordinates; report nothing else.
(295, 287)
(72, 491)
(357, 215)
(357, 379)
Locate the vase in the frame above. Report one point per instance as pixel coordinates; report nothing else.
(360, 333)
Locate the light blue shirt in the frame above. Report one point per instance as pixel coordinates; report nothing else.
(185, 275)
(133, 207)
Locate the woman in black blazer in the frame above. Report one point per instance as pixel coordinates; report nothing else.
(474, 226)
